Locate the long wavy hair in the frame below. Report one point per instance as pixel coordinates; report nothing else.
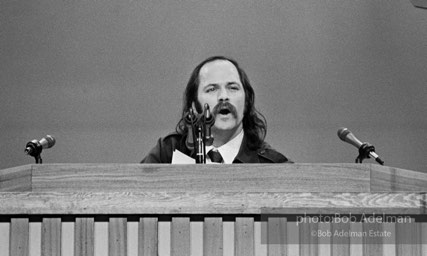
(254, 123)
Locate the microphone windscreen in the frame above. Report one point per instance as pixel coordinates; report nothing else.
(342, 133)
(345, 135)
(48, 141)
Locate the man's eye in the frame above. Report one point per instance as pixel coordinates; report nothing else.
(210, 89)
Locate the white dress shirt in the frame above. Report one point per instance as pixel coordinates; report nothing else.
(228, 151)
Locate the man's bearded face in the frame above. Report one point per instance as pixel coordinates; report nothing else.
(220, 87)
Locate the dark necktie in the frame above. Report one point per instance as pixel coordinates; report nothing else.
(215, 156)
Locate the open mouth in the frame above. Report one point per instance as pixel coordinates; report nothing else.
(224, 111)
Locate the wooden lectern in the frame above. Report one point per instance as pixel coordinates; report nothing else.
(247, 210)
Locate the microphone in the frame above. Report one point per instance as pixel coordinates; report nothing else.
(35, 147)
(209, 120)
(345, 135)
(190, 120)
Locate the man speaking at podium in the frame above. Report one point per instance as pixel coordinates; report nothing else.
(239, 129)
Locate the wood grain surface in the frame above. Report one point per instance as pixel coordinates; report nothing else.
(51, 237)
(19, 237)
(213, 178)
(210, 203)
(148, 237)
(84, 237)
(117, 191)
(16, 178)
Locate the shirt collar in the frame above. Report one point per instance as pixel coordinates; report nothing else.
(230, 149)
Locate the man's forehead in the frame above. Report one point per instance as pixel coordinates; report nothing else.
(219, 70)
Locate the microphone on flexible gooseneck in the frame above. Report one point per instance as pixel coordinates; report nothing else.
(366, 150)
(190, 120)
(199, 132)
(208, 122)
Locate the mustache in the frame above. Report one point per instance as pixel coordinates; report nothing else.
(224, 106)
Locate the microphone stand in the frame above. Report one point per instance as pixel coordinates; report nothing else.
(190, 120)
(200, 146)
(208, 122)
(34, 149)
(201, 132)
(364, 150)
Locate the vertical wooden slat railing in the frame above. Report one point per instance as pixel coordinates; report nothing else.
(372, 245)
(51, 237)
(117, 231)
(277, 236)
(340, 245)
(309, 244)
(180, 236)
(207, 210)
(409, 240)
(19, 237)
(148, 237)
(244, 237)
(405, 234)
(84, 237)
(212, 236)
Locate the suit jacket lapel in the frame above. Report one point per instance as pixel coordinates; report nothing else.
(245, 154)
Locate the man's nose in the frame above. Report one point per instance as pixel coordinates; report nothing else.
(223, 95)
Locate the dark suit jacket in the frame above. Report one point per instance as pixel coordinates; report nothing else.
(162, 152)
